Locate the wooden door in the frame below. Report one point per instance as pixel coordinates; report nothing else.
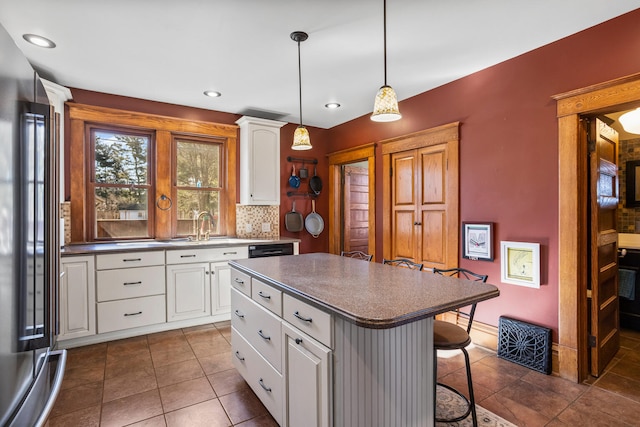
(356, 209)
(424, 207)
(605, 334)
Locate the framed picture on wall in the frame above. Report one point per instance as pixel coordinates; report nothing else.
(520, 263)
(477, 240)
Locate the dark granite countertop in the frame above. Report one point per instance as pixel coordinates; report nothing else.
(369, 294)
(160, 245)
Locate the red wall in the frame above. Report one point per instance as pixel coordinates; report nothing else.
(509, 149)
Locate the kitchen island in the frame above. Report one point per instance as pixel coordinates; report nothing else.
(331, 340)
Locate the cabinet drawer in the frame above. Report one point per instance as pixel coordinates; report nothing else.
(241, 282)
(182, 256)
(308, 319)
(259, 326)
(129, 259)
(130, 283)
(267, 296)
(130, 313)
(264, 380)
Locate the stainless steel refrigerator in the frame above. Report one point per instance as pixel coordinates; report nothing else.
(30, 371)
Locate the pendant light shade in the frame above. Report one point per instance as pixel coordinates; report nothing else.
(301, 140)
(630, 121)
(385, 107)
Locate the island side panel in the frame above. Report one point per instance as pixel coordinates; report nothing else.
(384, 377)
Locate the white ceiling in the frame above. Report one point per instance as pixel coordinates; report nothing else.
(173, 50)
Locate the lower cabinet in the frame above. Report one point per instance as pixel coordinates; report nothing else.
(188, 291)
(220, 287)
(77, 297)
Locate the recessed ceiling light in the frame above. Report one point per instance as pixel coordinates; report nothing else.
(39, 40)
(332, 105)
(212, 93)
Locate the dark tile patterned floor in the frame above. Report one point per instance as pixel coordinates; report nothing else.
(185, 377)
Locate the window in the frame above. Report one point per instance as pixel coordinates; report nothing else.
(198, 186)
(120, 184)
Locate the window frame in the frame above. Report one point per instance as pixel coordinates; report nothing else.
(164, 127)
(90, 183)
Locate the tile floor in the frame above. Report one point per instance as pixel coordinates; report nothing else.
(185, 378)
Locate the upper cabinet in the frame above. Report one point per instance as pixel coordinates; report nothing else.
(259, 161)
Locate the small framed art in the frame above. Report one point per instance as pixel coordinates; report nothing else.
(477, 240)
(520, 263)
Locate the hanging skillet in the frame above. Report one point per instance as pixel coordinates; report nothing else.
(314, 222)
(315, 183)
(294, 181)
(293, 220)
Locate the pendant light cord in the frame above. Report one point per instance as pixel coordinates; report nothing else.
(300, 82)
(384, 20)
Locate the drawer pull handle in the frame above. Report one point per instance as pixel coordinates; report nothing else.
(238, 280)
(263, 335)
(264, 386)
(132, 283)
(188, 256)
(131, 259)
(298, 340)
(132, 314)
(230, 253)
(265, 296)
(240, 358)
(304, 319)
(240, 315)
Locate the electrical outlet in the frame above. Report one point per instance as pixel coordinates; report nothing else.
(266, 227)
(248, 228)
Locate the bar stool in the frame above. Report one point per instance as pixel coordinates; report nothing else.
(357, 255)
(447, 336)
(402, 262)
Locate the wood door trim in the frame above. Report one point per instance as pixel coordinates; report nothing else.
(336, 160)
(447, 133)
(572, 205)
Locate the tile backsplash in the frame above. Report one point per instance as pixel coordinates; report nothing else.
(250, 220)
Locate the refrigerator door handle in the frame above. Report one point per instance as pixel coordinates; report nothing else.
(55, 386)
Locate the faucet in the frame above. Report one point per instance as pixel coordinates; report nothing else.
(200, 230)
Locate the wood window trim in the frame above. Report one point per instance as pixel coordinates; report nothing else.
(336, 159)
(80, 115)
(572, 204)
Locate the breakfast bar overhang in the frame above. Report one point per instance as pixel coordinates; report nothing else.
(379, 343)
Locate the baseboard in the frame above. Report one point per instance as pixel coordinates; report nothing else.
(487, 336)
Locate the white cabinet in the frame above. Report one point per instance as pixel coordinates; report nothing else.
(307, 379)
(77, 297)
(199, 281)
(259, 161)
(130, 290)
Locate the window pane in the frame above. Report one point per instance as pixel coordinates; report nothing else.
(121, 158)
(121, 212)
(198, 164)
(193, 202)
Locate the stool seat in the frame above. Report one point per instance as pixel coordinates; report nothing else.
(447, 336)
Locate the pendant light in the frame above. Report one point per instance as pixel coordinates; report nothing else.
(385, 108)
(301, 140)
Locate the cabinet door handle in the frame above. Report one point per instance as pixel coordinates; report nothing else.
(132, 314)
(265, 296)
(238, 280)
(132, 283)
(230, 253)
(239, 357)
(188, 256)
(131, 259)
(264, 386)
(263, 335)
(206, 272)
(298, 340)
(304, 319)
(240, 315)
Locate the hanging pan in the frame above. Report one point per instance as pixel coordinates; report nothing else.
(293, 220)
(315, 183)
(294, 181)
(314, 222)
